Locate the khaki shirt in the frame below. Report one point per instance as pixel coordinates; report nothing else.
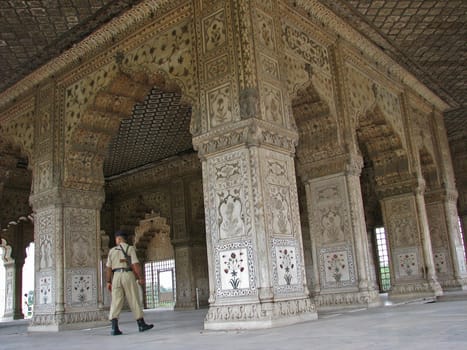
(116, 258)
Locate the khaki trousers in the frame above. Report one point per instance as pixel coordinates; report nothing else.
(124, 285)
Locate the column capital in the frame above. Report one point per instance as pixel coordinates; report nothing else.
(350, 164)
(441, 194)
(250, 132)
(411, 184)
(67, 197)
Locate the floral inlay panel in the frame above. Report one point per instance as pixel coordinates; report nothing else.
(441, 263)
(234, 269)
(407, 263)
(234, 265)
(337, 266)
(81, 287)
(287, 266)
(46, 290)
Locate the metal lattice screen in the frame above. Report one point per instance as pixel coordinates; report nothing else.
(160, 283)
(383, 259)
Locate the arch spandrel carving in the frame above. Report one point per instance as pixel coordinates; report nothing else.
(18, 128)
(15, 182)
(161, 55)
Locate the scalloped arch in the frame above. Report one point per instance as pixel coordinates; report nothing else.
(6, 257)
(381, 144)
(101, 120)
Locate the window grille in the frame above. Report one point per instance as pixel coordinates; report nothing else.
(383, 260)
(160, 283)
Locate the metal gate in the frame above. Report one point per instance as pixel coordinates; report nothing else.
(160, 283)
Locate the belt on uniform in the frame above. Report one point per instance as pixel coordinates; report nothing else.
(123, 269)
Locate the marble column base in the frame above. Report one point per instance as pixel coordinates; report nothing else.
(453, 284)
(348, 300)
(260, 315)
(414, 290)
(68, 321)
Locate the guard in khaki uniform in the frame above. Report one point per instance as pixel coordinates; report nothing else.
(123, 270)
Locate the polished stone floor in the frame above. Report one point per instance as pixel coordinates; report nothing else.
(420, 325)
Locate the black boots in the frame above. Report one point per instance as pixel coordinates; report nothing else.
(143, 326)
(115, 330)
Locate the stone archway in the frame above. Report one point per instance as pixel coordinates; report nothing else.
(447, 244)
(401, 195)
(149, 227)
(101, 122)
(339, 247)
(15, 224)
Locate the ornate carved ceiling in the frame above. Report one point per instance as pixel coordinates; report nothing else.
(34, 31)
(158, 128)
(428, 37)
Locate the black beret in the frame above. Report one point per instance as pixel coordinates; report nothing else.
(121, 233)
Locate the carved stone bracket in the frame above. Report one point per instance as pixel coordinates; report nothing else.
(250, 132)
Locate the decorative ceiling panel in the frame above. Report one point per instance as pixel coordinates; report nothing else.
(158, 128)
(428, 37)
(32, 32)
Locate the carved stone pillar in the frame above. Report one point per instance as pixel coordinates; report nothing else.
(67, 255)
(255, 251)
(9, 294)
(246, 140)
(411, 255)
(18, 290)
(448, 253)
(338, 234)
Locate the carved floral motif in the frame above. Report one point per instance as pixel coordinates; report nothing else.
(214, 31)
(230, 214)
(220, 108)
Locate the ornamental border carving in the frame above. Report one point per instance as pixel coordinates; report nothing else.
(260, 312)
(26, 105)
